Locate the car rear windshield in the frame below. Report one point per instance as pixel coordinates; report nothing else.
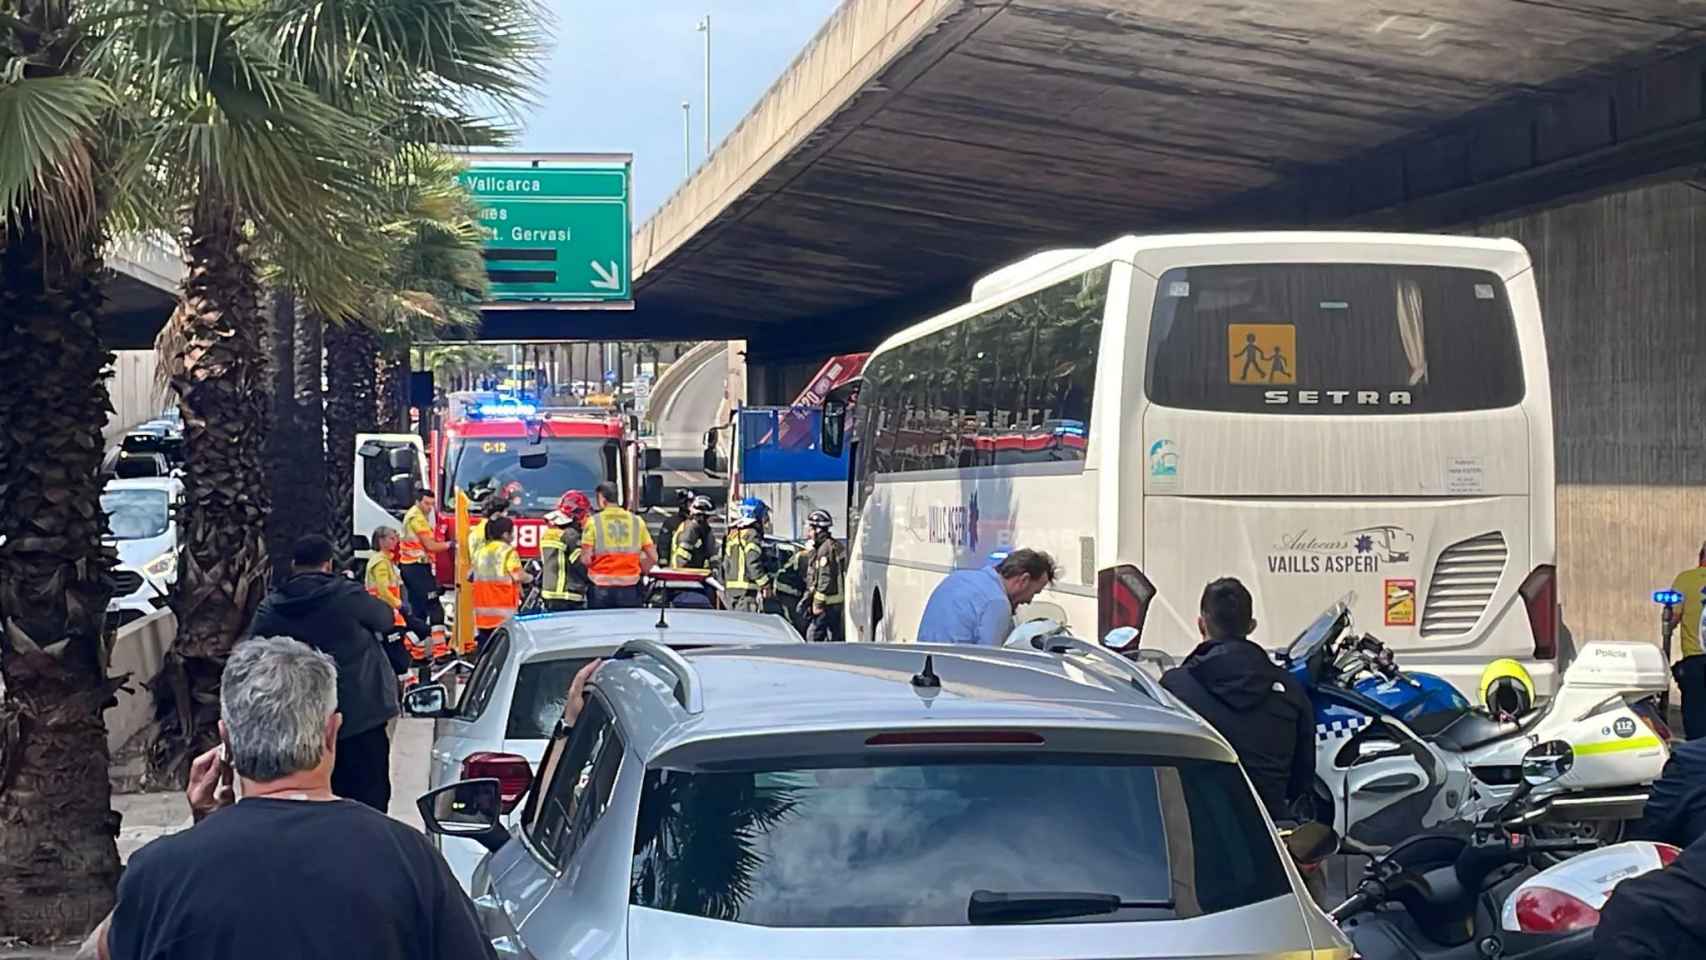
(909, 843)
(1339, 338)
(541, 688)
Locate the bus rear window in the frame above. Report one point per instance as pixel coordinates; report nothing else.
(1340, 338)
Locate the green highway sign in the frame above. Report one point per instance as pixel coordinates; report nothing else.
(555, 234)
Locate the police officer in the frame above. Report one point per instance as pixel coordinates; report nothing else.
(565, 584)
(1690, 669)
(617, 550)
(693, 541)
(826, 570)
(746, 577)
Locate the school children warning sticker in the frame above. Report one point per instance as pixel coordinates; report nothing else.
(1400, 603)
(1261, 353)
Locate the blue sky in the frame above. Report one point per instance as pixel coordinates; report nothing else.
(619, 71)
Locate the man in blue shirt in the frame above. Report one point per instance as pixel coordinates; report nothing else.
(976, 606)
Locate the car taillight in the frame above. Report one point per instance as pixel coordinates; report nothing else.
(1540, 595)
(937, 738)
(513, 774)
(1667, 853)
(1544, 910)
(1123, 595)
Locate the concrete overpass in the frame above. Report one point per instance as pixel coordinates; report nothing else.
(915, 144)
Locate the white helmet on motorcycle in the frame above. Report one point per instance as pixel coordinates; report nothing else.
(1507, 689)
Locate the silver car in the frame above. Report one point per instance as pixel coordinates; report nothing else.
(868, 800)
(511, 703)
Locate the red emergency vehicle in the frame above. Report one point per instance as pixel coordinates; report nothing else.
(537, 454)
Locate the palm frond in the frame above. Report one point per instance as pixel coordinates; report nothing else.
(48, 125)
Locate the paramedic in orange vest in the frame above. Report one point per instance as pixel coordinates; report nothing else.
(383, 581)
(414, 559)
(617, 549)
(498, 576)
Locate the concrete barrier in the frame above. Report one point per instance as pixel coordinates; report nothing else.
(134, 391)
(139, 649)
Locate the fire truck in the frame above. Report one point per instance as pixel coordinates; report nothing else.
(485, 444)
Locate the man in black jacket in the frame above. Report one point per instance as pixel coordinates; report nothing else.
(1657, 915)
(1676, 805)
(334, 615)
(1235, 686)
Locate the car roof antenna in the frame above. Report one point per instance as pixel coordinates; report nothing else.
(926, 678)
(663, 608)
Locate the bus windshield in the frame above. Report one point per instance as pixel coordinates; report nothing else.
(580, 463)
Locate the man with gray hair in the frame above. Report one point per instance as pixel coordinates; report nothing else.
(289, 870)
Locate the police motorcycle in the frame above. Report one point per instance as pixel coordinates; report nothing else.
(1399, 752)
(1469, 891)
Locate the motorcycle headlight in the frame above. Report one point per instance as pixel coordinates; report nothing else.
(163, 568)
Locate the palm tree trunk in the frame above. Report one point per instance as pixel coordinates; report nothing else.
(281, 441)
(394, 390)
(58, 863)
(352, 358)
(218, 371)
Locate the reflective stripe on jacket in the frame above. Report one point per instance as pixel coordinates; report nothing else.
(496, 595)
(560, 560)
(743, 565)
(383, 581)
(411, 549)
(617, 540)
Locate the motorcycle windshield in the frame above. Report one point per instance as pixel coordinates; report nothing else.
(1321, 629)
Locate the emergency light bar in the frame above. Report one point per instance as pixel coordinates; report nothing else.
(507, 410)
(1669, 598)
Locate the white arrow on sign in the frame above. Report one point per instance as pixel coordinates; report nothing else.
(607, 279)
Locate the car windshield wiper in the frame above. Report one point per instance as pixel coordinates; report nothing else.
(990, 906)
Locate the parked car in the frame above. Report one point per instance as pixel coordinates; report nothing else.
(512, 700)
(865, 800)
(142, 525)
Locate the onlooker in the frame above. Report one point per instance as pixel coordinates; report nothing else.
(335, 615)
(1258, 707)
(290, 870)
(1690, 668)
(976, 606)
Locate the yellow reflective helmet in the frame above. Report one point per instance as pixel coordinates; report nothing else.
(1507, 689)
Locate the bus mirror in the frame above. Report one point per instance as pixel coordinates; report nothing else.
(654, 458)
(534, 458)
(832, 434)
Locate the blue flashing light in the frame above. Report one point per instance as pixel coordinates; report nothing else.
(508, 410)
(1669, 598)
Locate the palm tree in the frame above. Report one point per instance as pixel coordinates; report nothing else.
(58, 862)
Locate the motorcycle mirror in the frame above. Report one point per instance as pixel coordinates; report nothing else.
(1311, 842)
(1546, 762)
(1120, 639)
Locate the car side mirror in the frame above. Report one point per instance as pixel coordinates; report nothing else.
(429, 700)
(471, 809)
(653, 459)
(651, 490)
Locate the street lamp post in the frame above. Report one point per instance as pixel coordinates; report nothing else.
(687, 138)
(705, 28)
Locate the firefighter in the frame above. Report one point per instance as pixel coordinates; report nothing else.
(498, 576)
(617, 550)
(673, 522)
(565, 582)
(790, 590)
(693, 540)
(746, 577)
(826, 570)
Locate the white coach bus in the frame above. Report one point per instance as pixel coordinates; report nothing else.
(1313, 413)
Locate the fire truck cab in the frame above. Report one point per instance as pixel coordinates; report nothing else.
(484, 446)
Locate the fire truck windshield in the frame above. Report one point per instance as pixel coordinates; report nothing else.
(571, 464)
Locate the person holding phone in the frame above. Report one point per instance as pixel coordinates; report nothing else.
(277, 865)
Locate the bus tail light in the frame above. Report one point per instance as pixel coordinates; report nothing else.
(1540, 595)
(1123, 596)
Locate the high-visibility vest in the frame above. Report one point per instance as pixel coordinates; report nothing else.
(383, 582)
(476, 537)
(557, 562)
(496, 595)
(743, 565)
(617, 540)
(411, 549)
